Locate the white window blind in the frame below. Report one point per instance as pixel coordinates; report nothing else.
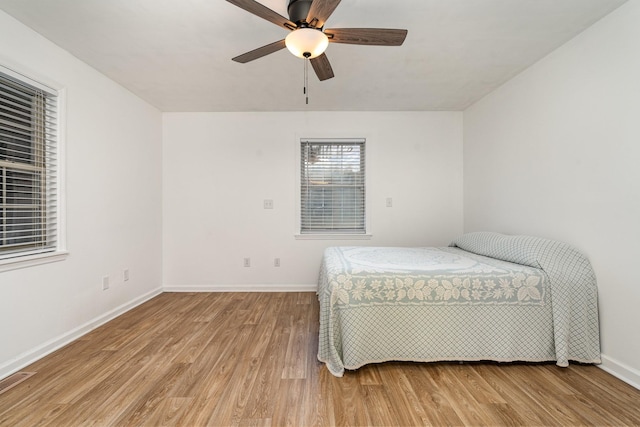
(28, 186)
(332, 185)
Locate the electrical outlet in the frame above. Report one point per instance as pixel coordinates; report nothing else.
(268, 204)
(276, 262)
(125, 275)
(389, 202)
(247, 262)
(105, 283)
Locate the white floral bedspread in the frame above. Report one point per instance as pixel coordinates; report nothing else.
(487, 297)
(374, 275)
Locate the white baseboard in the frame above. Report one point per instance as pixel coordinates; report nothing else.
(618, 369)
(27, 358)
(241, 288)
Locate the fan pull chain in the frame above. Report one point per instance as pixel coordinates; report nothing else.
(306, 80)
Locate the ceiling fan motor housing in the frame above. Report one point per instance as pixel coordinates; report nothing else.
(298, 11)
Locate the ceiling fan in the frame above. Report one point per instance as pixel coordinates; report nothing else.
(308, 38)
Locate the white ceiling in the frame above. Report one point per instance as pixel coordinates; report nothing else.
(176, 54)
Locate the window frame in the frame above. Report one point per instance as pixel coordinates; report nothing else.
(30, 257)
(299, 235)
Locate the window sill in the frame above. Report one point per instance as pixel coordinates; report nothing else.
(32, 260)
(333, 236)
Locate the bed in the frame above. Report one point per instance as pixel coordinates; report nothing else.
(487, 296)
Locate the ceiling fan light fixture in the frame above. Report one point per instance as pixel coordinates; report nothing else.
(307, 42)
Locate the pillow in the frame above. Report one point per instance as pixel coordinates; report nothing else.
(523, 250)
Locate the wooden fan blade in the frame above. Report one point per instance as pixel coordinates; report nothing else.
(264, 12)
(367, 36)
(322, 67)
(260, 52)
(320, 11)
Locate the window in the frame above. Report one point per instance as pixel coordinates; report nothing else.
(28, 168)
(332, 186)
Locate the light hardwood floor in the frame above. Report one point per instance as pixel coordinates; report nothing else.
(250, 359)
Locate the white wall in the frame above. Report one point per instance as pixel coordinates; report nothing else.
(113, 193)
(555, 153)
(219, 167)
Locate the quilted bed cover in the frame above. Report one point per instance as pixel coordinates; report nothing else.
(487, 296)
